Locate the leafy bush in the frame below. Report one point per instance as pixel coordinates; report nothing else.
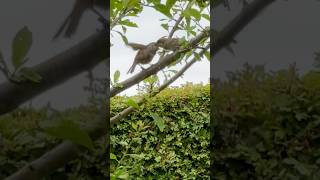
(168, 138)
(22, 140)
(267, 125)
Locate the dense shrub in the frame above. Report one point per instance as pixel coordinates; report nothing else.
(267, 125)
(23, 140)
(178, 151)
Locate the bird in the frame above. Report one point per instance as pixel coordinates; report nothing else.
(71, 23)
(144, 55)
(169, 43)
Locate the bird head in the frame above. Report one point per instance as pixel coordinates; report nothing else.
(161, 41)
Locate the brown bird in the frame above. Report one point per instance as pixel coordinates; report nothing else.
(169, 43)
(144, 55)
(71, 23)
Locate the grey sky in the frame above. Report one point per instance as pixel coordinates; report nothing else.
(43, 17)
(286, 32)
(150, 30)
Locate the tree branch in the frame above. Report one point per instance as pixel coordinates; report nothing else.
(153, 69)
(60, 155)
(248, 13)
(56, 70)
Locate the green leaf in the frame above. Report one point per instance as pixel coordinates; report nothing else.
(20, 46)
(112, 156)
(130, 3)
(163, 9)
(207, 54)
(68, 130)
(116, 76)
(197, 56)
(301, 168)
(170, 3)
(195, 13)
(158, 121)
(132, 103)
(165, 26)
(136, 156)
(311, 80)
(206, 16)
(134, 126)
(30, 75)
(192, 12)
(124, 38)
(157, 159)
(151, 79)
(128, 23)
(120, 173)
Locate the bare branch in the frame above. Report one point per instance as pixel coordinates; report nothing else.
(248, 13)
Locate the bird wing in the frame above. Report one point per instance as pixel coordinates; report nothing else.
(136, 46)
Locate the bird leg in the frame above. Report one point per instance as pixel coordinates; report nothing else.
(142, 67)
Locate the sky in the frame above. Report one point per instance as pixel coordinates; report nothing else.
(149, 30)
(285, 32)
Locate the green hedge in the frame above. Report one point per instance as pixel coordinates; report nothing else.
(267, 125)
(22, 140)
(143, 150)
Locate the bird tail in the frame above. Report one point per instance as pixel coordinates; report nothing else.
(61, 28)
(132, 68)
(71, 22)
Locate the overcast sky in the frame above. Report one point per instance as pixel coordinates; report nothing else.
(149, 30)
(286, 32)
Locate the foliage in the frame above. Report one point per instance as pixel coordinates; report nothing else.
(122, 13)
(267, 125)
(21, 45)
(24, 138)
(167, 138)
(185, 17)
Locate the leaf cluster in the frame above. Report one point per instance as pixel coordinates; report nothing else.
(267, 125)
(168, 138)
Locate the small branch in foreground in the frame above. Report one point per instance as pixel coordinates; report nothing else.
(61, 154)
